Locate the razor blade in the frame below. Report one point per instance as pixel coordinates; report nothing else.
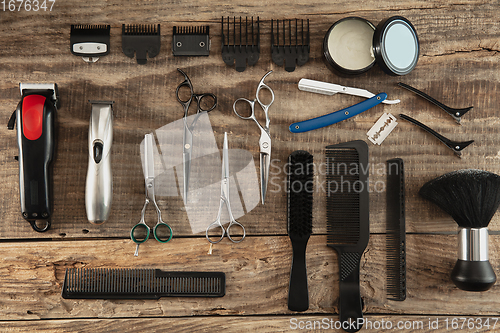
(382, 128)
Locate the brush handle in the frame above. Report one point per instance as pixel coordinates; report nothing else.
(473, 275)
(350, 303)
(298, 295)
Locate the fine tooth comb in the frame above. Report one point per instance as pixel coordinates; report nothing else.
(121, 283)
(191, 41)
(291, 50)
(142, 39)
(89, 41)
(299, 227)
(455, 113)
(348, 224)
(244, 49)
(456, 146)
(396, 231)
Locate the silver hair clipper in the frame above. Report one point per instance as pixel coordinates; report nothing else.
(99, 185)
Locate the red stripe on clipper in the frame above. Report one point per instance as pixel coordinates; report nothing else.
(32, 116)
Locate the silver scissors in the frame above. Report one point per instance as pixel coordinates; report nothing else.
(265, 137)
(224, 199)
(187, 139)
(149, 177)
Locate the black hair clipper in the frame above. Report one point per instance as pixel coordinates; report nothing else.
(35, 115)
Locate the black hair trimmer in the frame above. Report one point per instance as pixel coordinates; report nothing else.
(35, 115)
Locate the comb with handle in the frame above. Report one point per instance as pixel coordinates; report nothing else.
(348, 227)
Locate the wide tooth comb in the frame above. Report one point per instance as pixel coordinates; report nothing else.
(116, 283)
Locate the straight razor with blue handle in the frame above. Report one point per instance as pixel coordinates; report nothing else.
(337, 116)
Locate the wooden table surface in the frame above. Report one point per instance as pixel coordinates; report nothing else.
(458, 65)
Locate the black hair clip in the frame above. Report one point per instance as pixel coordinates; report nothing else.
(243, 49)
(89, 41)
(290, 51)
(143, 39)
(455, 113)
(456, 146)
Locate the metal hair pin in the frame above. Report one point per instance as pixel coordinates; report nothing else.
(457, 147)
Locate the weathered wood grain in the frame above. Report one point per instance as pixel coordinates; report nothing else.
(459, 62)
(459, 43)
(289, 323)
(257, 272)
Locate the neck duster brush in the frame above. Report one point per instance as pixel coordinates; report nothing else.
(471, 197)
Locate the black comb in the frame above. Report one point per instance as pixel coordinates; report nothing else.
(396, 231)
(244, 49)
(299, 227)
(142, 39)
(291, 50)
(89, 41)
(191, 41)
(117, 283)
(348, 224)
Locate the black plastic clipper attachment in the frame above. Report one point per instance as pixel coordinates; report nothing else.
(35, 117)
(191, 41)
(89, 41)
(293, 46)
(142, 39)
(245, 47)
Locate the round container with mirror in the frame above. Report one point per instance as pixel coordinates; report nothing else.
(353, 45)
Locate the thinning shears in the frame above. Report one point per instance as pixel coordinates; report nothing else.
(224, 199)
(265, 137)
(187, 139)
(149, 177)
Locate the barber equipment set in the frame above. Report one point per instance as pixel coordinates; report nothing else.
(351, 46)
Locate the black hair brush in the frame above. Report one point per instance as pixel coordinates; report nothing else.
(300, 202)
(471, 197)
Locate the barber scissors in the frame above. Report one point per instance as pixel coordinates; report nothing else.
(149, 176)
(187, 138)
(265, 137)
(224, 199)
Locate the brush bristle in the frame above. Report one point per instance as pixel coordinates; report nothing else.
(470, 196)
(300, 193)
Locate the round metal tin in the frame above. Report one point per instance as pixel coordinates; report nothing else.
(396, 46)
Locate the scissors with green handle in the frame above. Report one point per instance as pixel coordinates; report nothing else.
(149, 177)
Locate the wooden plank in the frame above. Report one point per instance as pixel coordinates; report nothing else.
(257, 272)
(458, 66)
(304, 323)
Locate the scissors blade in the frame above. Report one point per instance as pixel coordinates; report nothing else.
(149, 164)
(265, 161)
(187, 150)
(225, 158)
